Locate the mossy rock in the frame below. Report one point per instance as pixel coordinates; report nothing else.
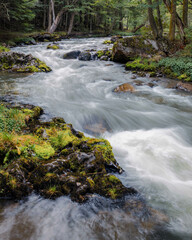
(53, 159)
(127, 49)
(53, 46)
(21, 63)
(104, 55)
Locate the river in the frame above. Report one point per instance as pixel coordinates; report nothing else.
(150, 131)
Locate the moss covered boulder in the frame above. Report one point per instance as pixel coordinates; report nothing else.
(21, 63)
(53, 159)
(53, 46)
(129, 48)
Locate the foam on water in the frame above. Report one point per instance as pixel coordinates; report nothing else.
(160, 162)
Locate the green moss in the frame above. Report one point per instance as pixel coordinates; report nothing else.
(100, 53)
(4, 49)
(91, 182)
(140, 64)
(44, 151)
(107, 42)
(60, 139)
(113, 193)
(114, 179)
(53, 46)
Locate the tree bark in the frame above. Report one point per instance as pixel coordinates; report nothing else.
(152, 20)
(179, 22)
(172, 21)
(53, 9)
(71, 23)
(160, 25)
(44, 15)
(185, 13)
(57, 21)
(49, 16)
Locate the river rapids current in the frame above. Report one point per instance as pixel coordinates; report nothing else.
(150, 131)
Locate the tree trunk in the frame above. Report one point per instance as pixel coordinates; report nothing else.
(159, 19)
(53, 9)
(179, 22)
(172, 21)
(152, 20)
(185, 13)
(57, 21)
(44, 15)
(71, 23)
(49, 16)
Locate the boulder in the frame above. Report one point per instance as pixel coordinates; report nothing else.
(71, 55)
(126, 87)
(85, 56)
(129, 48)
(21, 63)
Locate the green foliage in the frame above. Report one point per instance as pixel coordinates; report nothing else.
(141, 64)
(180, 66)
(11, 120)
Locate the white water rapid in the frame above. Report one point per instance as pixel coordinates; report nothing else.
(150, 131)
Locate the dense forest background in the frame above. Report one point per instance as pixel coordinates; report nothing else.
(161, 18)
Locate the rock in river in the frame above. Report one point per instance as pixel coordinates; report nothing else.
(126, 87)
(72, 55)
(85, 56)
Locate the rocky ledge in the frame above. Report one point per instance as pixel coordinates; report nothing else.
(21, 63)
(52, 159)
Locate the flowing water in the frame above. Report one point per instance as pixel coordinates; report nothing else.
(150, 131)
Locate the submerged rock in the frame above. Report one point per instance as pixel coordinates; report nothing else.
(53, 159)
(126, 87)
(129, 48)
(71, 55)
(21, 63)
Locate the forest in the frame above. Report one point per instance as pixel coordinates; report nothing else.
(168, 18)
